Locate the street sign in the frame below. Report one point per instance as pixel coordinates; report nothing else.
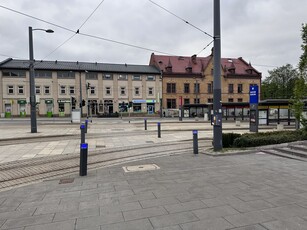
(253, 94)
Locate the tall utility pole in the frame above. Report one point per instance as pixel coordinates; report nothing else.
(32, 79)
(80, 85)
(32, 85)
(217, 105)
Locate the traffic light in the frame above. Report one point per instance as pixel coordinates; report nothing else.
(88, 85)
(73, 101)
(83, 102)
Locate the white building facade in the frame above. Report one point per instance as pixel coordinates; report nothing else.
(60, 87)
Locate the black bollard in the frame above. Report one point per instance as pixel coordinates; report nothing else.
(82, 127)
(159, 130)
(145, 123)
(83, 159)
(86, 123)
(195, 141)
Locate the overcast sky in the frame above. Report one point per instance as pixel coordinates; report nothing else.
(263, 32)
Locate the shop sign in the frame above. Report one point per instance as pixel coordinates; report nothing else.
(48, 101)
(63, 101)
(22, 101)
(143, 101)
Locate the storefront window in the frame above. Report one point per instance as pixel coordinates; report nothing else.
(61, 107)
(137, 107)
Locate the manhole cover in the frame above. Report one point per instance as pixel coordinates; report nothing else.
(138, 168)
(66, 181)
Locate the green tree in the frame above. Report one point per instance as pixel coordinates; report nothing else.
(300, 88)
(280, 83)
(303, 59)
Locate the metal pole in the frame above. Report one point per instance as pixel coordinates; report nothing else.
(180, 109)
(32, 85)
(195, 141)
(159, 130)
(80, 83)
(83, 159)
(82, 127)
(217, 107)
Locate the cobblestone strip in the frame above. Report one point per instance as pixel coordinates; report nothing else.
(26, 173)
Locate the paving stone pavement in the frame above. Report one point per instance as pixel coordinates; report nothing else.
(253, 191)
(250, 191)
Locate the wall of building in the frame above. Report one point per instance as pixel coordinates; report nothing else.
(62, 101)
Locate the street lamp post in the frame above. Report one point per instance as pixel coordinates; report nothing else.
(32, 80)
(217, 105)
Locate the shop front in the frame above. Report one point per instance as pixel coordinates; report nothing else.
(64, 107)
(8, 110)
(22, 107)
(49, 107)
(148, 105)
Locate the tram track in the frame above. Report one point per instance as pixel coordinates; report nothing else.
(19, 173)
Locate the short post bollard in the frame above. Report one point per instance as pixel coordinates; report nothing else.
(159, 130)
(145, 123)
(86, 123)
(195, 141)
(82, 127)
(83, 159)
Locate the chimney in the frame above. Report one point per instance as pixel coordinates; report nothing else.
(194, 59)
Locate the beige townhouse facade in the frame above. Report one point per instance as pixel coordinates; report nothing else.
(189, 80)
(63, 86)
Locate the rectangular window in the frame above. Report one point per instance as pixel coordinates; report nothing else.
(196, 87)
(240, 100)
(62, 89)
(230, 99)
(171, 88)
(37, 89)
(136, 91)
(43, 74)
(122, 90)
(14, 73)
(92, 90)
(108, 90)
(196, 101)
(66, 74)
(210, 88)
(210, 100)
(10, 89)
(91, 76)
(122, 77)
(71, 90)
(186, 88)
(46, 89)
(171, 103)
(20, 89)
(240, 88)
(230, 88)
(151, 78)
(150, 91)
(136, 77)
(186, 101)
(107, 76)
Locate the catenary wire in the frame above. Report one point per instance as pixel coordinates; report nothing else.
(185, 21)
(83, 34)
(67, 40)
(205, 47)
(91, 14)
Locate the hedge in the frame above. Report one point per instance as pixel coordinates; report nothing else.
(269, 138)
